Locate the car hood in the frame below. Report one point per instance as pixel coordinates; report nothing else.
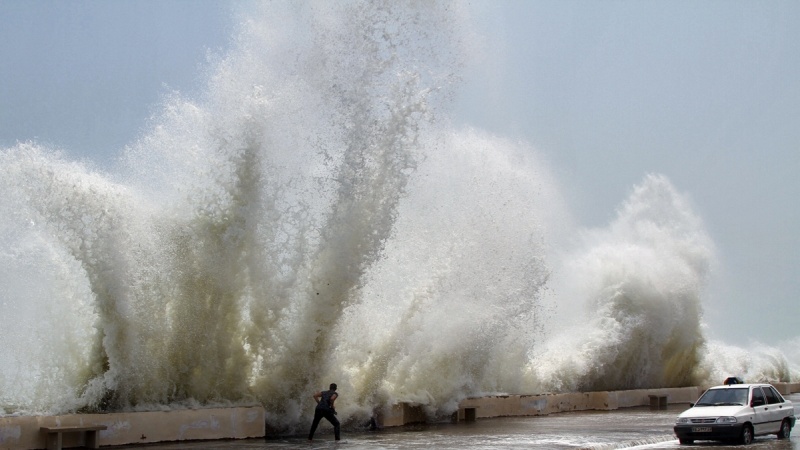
(715, 411)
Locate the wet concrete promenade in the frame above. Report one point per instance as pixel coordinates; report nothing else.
(638, 428)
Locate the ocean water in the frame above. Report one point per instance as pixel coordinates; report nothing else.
(314, 217)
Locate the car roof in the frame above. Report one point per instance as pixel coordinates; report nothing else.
(739, 385)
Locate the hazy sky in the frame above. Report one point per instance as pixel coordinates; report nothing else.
(706, 93)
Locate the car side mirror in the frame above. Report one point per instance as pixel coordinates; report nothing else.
(757, 402)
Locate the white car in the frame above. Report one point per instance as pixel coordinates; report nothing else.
(736, 412)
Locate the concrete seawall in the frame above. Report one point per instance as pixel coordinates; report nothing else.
(24, 432)
(543, 404)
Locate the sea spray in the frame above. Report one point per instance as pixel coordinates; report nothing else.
(296, 166)
(233, 229)
(755, 363)
(641, 282)
(78, 221)
(452, 309)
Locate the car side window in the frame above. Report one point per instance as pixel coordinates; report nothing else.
(758, 395)
(772, 395)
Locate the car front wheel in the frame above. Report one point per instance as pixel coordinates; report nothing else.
(786, 430)
(747, 435)
(686, 441)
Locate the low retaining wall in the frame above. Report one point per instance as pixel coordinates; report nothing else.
(538, 405)
(23, 432)
(787, 388)
(534, 405)
(543, 404)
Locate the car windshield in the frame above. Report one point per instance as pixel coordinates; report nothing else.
(719, 397)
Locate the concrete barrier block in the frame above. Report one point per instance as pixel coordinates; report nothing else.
(391, 416)
(138, 427)
(401, 414)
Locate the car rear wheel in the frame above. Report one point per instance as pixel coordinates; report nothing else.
(747, 435)
(786, 430)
